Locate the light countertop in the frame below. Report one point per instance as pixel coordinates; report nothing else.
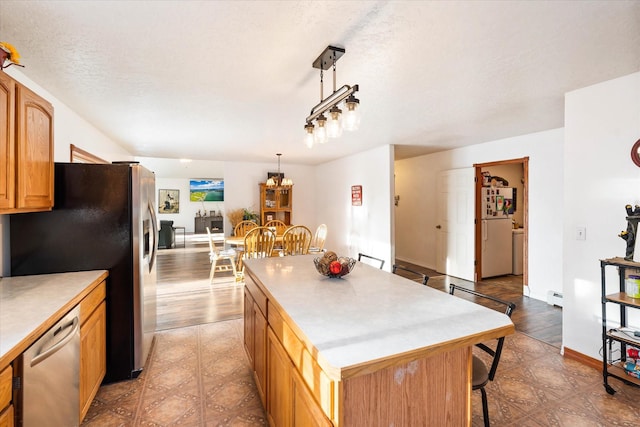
(28, 304)
(371, 314)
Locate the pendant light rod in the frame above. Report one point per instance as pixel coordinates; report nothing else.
(278, 154)
(335, 98)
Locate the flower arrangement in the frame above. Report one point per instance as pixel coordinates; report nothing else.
(8, 53)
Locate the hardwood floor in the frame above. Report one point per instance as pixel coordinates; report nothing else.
(184, 295)
(532, 317)
(186, 298)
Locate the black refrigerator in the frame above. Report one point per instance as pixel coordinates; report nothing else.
(104, 217)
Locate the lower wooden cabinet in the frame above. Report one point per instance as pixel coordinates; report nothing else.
(6, 417)
(306, 411)
(93, 352)
(260, 352)
(255, 336)
(281, 383)
(248, 326)
(6, 408)
(289, 402)
(279, 388)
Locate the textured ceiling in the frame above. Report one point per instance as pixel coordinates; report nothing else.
(232, 80)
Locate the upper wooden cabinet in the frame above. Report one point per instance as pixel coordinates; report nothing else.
(275, 203)
(26, 149)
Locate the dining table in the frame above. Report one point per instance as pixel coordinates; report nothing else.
(238, 241)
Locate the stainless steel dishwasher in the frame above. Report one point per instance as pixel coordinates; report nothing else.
(51, 376)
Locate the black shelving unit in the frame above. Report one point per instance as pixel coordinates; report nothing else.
(610, 335)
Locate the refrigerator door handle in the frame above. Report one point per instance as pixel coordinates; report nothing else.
(154, 246)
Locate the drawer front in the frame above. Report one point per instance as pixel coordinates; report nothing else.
(92, 301)
(5, 387)
(257, 294)
(319, 384)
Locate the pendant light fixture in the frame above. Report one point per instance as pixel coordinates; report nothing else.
(333, 125)
(275, 183)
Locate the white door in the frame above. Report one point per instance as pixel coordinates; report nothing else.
(455, 251)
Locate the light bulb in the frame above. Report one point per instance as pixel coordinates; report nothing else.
(334, 125)
(351, 119)
(320, 132)
(308, 137)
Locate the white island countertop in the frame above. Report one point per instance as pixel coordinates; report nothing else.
(29, 305)
(371, 315)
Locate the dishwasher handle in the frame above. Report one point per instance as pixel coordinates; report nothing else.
(75, 325)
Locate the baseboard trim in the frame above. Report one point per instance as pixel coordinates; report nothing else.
(583, 358)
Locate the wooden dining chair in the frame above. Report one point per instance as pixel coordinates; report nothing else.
(481, 374)
(241, 228)
(371, 260)
(296, 241)
(258, 243)
(215, 255)
(317, 243)
(280, 226)
(423, 278)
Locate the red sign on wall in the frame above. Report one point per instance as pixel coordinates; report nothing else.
(356, 195)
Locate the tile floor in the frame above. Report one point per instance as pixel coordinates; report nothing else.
(199, 376)
(195, 376)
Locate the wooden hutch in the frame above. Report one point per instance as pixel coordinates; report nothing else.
(275, 203)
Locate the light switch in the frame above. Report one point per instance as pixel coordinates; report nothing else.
(581, 233)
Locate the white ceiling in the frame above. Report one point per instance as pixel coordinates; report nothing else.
(232, 80)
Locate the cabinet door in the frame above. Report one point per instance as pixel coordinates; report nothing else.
(6, 417)
(260, 351)
(248, 326)
(284, 199)
(93, 356)
(7, 141)
(34, 162)
(306, 411)
(279, 387)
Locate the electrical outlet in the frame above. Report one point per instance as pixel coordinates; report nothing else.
(581, 233)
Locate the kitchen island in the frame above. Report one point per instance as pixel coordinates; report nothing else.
(371, 348)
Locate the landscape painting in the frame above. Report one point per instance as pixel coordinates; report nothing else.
(206, 190)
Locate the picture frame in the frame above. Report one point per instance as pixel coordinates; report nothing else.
(279, 176)
(206, 190)
(168, 201)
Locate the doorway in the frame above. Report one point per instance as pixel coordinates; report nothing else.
(502, 193)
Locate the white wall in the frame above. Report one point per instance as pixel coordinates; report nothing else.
(353, 229)
(70, 128)
(172, 174)
(241, 188)
(602, 122)
(415, 181)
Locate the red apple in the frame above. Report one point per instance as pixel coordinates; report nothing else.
(335, 267)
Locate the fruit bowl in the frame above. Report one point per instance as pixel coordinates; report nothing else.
(331, 265)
